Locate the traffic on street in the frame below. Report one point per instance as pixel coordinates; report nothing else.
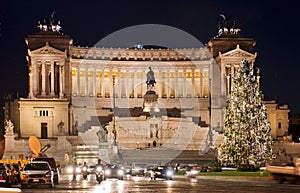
(179, 183)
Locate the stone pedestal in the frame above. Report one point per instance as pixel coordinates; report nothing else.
(9, 152)
(103, 151)
(115, 152)
(150, 103)
(63, 156)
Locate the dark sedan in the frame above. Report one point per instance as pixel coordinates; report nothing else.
(6, 177)
(113, 171)
(165, 172)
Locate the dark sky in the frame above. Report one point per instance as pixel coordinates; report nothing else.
(275, 27)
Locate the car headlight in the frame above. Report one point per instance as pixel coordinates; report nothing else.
(158, 173)
(169, 173)
(120, 172)
(107, 172)
(24, 175)
(194, 172)
(47, 175)
(99, 169)
(78, 170)
(70, 170)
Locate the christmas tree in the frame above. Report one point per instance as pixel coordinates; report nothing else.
(247, 138)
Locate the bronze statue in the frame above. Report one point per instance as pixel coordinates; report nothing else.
(60, 128)
(150, 78)
(102, 135)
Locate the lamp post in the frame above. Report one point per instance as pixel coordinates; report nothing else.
(114, 131)
(209, 126)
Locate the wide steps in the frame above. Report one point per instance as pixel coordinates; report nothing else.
(158, 155)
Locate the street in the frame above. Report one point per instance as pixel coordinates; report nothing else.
(210, 184)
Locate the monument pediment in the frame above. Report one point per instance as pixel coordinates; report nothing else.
(47, 50)
(237, 52)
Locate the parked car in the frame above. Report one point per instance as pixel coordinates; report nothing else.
(6, 178)
(37, 173)
(165, 172)
(138, 169)
(53, 166)
(127, 170)
(92, 169)
(184, 167)
(15, 171)
(282, 173)
(113, 171)
(192, 172)
(149, 172)
(72, 169)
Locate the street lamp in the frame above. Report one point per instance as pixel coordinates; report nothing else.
(114, 131)
(209, 126)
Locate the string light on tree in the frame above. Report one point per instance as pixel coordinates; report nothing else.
(247, 137)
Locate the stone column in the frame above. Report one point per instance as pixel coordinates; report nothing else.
(61, 82)
(144, 74)
(35, 79)
(30, 94)
(118, 83)
(111, 91)
(43, 93)
(193, 83)
(176, 83)
(168, 84)
(227, 77)
(228, 85)
(232, 75)
(159, 86)
(78, 81)
(223, 80)
(201, 82)
(102, 84)
(52, 93)
(134, 82)
(86, 82)
(184, 84)
(127, 87)
(94, 82)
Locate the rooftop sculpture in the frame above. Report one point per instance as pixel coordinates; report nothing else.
(51, 25)
(225, 28)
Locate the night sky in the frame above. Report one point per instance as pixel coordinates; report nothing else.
(274, 26)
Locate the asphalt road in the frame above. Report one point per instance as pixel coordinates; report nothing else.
(178, 184)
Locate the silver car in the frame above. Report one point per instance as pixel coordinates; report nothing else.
(37, 173)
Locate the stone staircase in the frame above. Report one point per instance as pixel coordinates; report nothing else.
(164, 156)
(284, 152)
(96, 121)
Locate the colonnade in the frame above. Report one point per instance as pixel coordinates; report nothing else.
(46, 78)
(130, 83)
